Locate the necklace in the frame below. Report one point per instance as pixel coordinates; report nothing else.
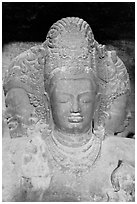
(74, 159)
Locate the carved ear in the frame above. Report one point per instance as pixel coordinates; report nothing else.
(47, 106)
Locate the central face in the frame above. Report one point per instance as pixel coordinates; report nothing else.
(72, 105)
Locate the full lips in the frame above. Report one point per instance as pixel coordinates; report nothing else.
(75, 119)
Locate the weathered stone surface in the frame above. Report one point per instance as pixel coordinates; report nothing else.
(30, 169)
(61, 86)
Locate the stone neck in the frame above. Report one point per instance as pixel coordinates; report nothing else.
(72, 140)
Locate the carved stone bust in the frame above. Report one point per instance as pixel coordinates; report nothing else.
(65, 100)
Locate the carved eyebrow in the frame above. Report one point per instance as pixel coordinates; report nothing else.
(84, 93)
(68, 94)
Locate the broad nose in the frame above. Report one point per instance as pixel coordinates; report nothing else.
(75, 106)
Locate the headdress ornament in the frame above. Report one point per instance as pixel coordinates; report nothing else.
(70, 44)
(69, 50)
(72, 51)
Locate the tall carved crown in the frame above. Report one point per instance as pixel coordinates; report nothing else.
(69, 47)
(69, 44)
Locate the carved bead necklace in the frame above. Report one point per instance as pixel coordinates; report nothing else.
(74, 159)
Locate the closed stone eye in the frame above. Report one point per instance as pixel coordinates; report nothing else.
(63, 101)
(86, 101)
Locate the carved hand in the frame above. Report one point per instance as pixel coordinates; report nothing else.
(123, 182)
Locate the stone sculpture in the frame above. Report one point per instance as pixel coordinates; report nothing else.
(65, 100)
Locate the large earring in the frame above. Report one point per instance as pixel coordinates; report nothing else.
(49, 118)
(47, 105)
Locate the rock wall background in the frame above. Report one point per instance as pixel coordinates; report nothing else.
(113, 24)
(31, 21)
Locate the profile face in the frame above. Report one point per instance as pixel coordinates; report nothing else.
(72, 104)
(18, 104)
(120, 115)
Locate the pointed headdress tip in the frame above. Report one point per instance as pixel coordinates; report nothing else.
(70, 43)
(67, 27)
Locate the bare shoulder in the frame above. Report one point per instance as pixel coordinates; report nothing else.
(121, 148)
(118, 141)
